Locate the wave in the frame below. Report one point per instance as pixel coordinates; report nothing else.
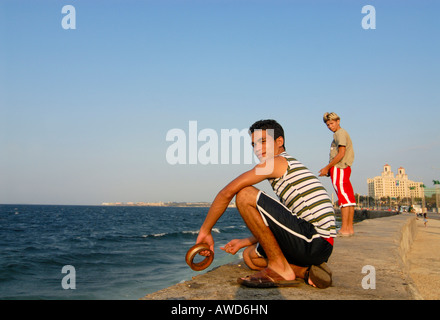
(154, 235)
(177, 233)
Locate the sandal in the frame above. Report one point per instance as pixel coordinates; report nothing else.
(321, 276)
(267, 278)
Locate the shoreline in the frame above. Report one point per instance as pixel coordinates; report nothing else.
(375, 264)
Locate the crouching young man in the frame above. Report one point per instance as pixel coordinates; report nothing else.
(293, 236)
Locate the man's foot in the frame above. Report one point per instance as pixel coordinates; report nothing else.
(345, 234)
(267, 278)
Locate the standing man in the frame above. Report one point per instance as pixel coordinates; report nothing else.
(339, 170)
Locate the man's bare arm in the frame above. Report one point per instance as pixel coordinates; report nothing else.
(224, 197)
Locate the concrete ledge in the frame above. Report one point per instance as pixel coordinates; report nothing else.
(379, 248)
(423, 259)
(362, 214)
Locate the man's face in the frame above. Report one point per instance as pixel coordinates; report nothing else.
(264, 145)
(333, 125)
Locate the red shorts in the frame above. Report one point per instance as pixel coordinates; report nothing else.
(341, 182)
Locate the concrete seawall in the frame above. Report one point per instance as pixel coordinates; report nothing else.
(363, 214)
(373, 264)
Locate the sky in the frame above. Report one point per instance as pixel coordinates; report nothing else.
(85, 111)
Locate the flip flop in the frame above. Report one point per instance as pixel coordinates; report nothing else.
(267, 278)
(320, 275)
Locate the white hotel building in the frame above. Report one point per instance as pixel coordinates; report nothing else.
(399, 186)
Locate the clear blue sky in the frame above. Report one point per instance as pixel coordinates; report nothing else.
(84, 113)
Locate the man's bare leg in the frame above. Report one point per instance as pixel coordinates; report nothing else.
(350, 219)
(347, 215)
(255, 262)
(252, 260)
(246, 201)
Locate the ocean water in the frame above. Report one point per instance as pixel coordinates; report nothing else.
(115, 252)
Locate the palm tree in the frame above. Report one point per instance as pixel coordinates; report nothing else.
(436, 183)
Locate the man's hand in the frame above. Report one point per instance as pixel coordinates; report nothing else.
(323, 172)
(233, 246)
(209, 240)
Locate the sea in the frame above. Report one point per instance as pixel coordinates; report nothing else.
(58, 252)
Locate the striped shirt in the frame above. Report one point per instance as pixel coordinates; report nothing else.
(305, 196)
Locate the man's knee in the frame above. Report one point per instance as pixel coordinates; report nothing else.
(247, 196)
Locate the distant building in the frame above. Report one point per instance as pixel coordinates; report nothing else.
(399, 186)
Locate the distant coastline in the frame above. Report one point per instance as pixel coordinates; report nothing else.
(161, 204)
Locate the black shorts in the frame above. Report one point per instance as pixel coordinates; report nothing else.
(297, 238)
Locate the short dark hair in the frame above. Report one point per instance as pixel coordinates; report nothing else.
(269, 124)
